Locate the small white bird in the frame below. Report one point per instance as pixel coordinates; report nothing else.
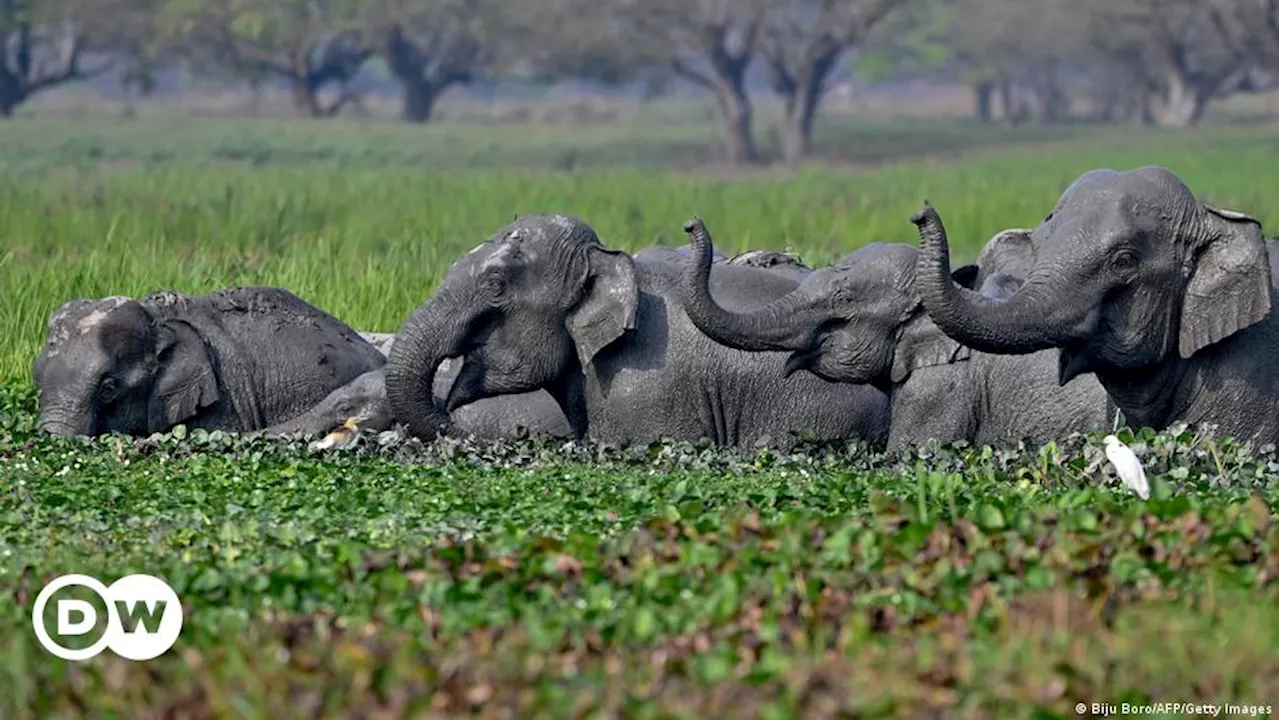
(1127, 466)
(340, 436)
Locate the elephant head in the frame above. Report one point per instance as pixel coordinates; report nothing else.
(858, 321)
(112, 366)
(527, 309)
(1127, 270)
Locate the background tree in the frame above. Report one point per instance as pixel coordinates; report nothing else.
(801, 43)
(1181, 57)
(581, 40)
(1017, 55)
(310, 44)
(47, 43)
(432, 45)
(709, 43)
(1252, 26)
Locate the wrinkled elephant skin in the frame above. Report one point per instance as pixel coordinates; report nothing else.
(860, 321)
(239, 359)
(509, 416)
(1169, 302)
(542, 304)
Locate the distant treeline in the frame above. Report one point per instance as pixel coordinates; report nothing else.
(1159, 62)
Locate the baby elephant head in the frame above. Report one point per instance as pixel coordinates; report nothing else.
(858, 321)
(112, 366)
(526, 308)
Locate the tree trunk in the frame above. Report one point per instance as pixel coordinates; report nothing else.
(1146, 115)
(1180, 104)
(11, 95)
(419, 100)
(1057, 107)
(304, 97)
(1015, 109)
(802, 108)
(735, 109)
(982, 100)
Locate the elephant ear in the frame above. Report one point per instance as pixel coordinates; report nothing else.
(1229, 286)
(608, 305)
(185, 380)
(922, 344)
(1000, 286)
(965, 276)
(1008, 252)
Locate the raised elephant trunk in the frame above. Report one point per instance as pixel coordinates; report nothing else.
(435, 331)
(776, 326)
(1020, 324)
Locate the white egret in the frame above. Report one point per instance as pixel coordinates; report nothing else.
(341, 436)
(1127, 466)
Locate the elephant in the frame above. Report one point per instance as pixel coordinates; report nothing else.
(508, 416)
(860, 321)
(544, 304)
(779, 262)
(237, 359)
(1169, 302)
(783, 263)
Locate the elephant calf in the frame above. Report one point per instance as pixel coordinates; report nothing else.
(860, 321)
(544, 305)
(508, 416)
(239, 359)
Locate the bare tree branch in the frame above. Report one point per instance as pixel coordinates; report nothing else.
(311, 44)
(801, 47)
(41, 49)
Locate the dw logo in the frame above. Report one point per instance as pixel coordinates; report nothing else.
(144, 617)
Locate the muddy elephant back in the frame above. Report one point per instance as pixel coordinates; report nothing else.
(294, 354)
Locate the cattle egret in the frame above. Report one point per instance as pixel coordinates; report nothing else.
(1127, 466)
(341, 436)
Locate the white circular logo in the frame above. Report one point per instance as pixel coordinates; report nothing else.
(144, 617)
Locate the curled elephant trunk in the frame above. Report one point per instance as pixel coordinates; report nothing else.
(435, 331)
(1019, 324)
(778, 326)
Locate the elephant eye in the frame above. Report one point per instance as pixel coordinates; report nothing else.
(108, 387)
(492, 282)
(1125, 263)
(1125, 260)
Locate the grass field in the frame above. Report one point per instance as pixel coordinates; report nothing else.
(528, 579)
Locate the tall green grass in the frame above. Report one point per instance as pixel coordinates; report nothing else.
(532, 576)
(370, 242)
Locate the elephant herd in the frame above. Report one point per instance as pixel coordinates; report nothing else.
(1131, 296)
